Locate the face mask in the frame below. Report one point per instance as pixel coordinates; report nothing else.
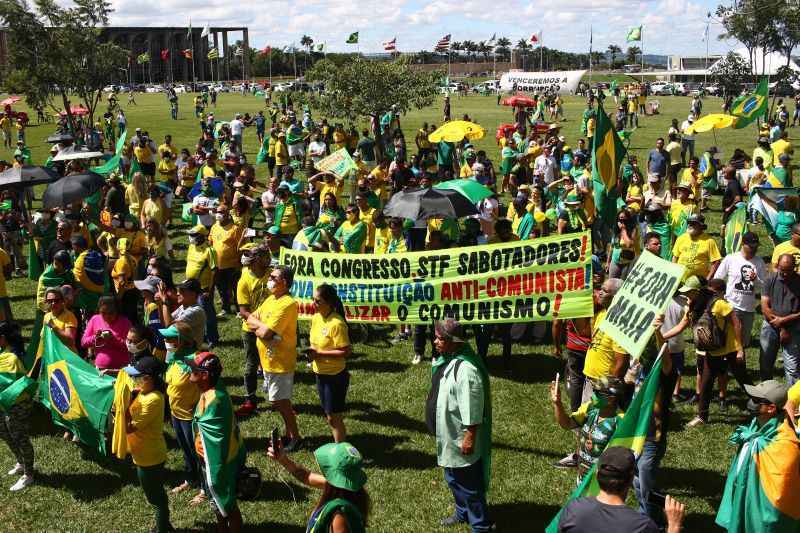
(136, 347)
(151, 271)
(220, 217)
(247, 260)
(128, 225)
(116, 223)
(171, 346)
(271, 285)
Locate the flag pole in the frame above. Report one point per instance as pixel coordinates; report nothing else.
(590, 55)
(641, 40)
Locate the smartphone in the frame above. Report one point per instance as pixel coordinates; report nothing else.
(275, 439)
(658, 499)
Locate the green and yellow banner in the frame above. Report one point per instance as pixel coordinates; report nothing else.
(530, 280)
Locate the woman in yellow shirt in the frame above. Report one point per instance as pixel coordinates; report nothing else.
(330, 345)
(144, 420)
(158, 243)
(135, 194)
(154, 207)
(167, 169)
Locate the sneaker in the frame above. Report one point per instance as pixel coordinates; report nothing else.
(417, 359)
(570, 461)
(293, 445)
(17, 470)
(451, 520)
(24, 481)
(723, 404)
(694, 422)
(247, 409)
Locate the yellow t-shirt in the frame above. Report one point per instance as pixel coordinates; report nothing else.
(5, 260)
(122, 273)
(188, 176)
(673, 148)
(182, 393)
(167, 170)
(678, 207)
(794, 393)
(225, 240)
(636, 191)
(153, 209)
(134, 200)
(143, 154)
(328, 333)
(786, 247)
(65, 320)
(147, 445)
(164, 147)
(11, 364)
(288, 223)
(686, 179)
(251, 291)
(280, 316)
(696, 254)
(201, 261)
(720, 312)
(367, 218)
(600, 355)
(781, 146)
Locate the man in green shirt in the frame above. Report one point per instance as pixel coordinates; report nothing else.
(461, 410)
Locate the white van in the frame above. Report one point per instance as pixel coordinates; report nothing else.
(489, 86)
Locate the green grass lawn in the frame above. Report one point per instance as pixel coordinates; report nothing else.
(78, 491)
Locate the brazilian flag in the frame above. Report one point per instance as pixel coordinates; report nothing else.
(735, 228)
(631, 433)
(223, 448)
(749, 107)
(762, 491)
(353, 38)
(78, 397)
(607, 155)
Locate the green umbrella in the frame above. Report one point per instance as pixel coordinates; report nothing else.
(471, 189)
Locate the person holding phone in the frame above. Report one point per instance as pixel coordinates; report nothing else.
(330, 345)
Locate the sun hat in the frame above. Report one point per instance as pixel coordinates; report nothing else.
(178, 330)
(342, 465)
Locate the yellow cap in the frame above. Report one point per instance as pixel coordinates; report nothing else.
(199, 230)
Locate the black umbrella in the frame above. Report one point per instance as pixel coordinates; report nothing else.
(26, 176)
(421, 204)
(63, 138)
(71, 189)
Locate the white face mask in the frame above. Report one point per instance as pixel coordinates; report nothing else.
(271, 285)
(128, 225)
(171, 347)
(247, 260)
(220, 217)
(136, 347)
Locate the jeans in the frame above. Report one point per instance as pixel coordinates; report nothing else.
(714, 366)
(151, 478)
(746, 318)
(466, 484)
(226, 286)
(423, 333)
(575, 377)
(212, 333)
(251, 364)
(770, 343)
(185, 437)
(687, 146)
(644, 481)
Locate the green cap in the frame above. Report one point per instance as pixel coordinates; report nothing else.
(341, 465)
(274, 230)
(692, 283)
(572, 198)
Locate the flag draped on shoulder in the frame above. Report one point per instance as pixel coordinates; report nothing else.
(13, 381)
(223, 449)
(631, 433)
(762, 491)
(607, 155)
(749, 107)
(78, 397)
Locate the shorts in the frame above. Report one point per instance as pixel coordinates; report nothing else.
(297, 150)
(332, 390)
(678, 362)
(278, 386)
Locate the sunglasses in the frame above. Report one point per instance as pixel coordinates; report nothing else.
(52, 300)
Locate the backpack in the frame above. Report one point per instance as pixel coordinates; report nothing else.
(706, 333)
(433, 395)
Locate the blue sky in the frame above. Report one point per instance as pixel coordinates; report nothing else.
(670, 26)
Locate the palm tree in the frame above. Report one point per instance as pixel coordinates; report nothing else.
(485, 50)
(633, 51)
(456, 46)
(470, 47)
(503, 46)
(307, 42)
(523, 46)
(612, 51)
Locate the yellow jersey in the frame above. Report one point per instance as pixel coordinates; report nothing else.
(280, 316)
(696, 254)
(201, 261)
(328, 333)
(251, 291)
(146, 444)
(182, 393)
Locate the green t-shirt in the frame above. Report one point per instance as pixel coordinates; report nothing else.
(444, 155)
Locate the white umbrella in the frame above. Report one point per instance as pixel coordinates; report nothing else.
(74, 152)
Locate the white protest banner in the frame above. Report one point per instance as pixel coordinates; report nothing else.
(644, 295)
(562, 82)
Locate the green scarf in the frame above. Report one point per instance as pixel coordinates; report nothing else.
(466, 353)
(281, 207)
(355, 522)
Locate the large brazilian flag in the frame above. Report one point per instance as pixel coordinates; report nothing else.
(607, 155)
(762, 492)
(78, 397)
(749, 107)
(631, 433)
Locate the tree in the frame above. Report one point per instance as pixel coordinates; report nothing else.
(612, 51)
(58, 52)
(731, 73)
(307, 42)
(360, 88)
(485, 50)
(503, 47)
(633, 52)
(755, 24)
(471, 48)
(456, 46)
(523, 47)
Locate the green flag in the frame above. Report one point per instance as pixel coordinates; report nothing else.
(224, 451)
(607, 155)
(735, 228)
(353, 39)
(213, 53)
(12, 384)
(634, 34)
(749, 107)
(143, 58)
(78, 397)
(631, 433)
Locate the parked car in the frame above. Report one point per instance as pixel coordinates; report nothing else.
(284, 86)
(661, 89)
(488, 86)
(180, 88)
(450, 88)
(154, 89)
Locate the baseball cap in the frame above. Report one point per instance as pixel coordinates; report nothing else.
(692, 283)
(190, 284)
(690, 118)
(274, 230)
(178, 330)
(696, 219)
(205, 362)
(451, 329)
(146, 366)
(750, 238)
(198, 230)
(770, 390)
(617, 461)
(150, 283)
(784, 157)
(342, 465)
